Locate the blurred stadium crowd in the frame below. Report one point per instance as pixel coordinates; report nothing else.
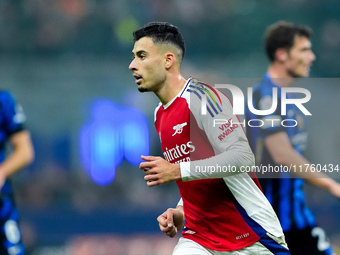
(59, 56)
(215, 29)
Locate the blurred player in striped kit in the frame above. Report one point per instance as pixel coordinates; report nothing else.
(289, 50)
(12, 132)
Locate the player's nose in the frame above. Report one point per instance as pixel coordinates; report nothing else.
(132, 65)
(312, 56)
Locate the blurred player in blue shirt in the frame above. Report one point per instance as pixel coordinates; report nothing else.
(289, 50)
(12, 132)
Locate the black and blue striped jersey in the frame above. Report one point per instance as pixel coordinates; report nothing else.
(284, 191)
(11, 121)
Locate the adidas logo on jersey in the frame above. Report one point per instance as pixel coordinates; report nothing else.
(190, 232)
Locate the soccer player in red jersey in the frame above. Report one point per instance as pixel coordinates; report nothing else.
(222, 207)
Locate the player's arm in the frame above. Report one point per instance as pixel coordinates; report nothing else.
(236, 159)
(282, 152)
(171, 221)
(21, 155)
(232, 151)
(159, 171)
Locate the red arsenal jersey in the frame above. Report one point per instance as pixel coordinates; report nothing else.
(223, 214)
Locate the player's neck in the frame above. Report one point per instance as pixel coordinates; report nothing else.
(279, 75)
(172, 86)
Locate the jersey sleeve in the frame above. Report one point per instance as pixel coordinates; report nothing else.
(225, 134)
(221, 126)
(12, 113)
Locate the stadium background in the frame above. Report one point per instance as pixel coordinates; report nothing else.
(66, 61)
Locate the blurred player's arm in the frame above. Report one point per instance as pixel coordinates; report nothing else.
(172, 220)
(282, 152)
(22, 155)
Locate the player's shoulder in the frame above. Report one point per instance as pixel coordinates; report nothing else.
(6, 97)
(156, 111)
(5, 94)
(197, 87)
(265, 88)
(199, 93)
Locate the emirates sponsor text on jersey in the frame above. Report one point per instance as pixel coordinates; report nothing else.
(180, 152)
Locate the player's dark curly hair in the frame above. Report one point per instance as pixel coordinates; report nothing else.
(161, 32)
(282, 35)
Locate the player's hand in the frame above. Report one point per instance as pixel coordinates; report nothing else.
(159, 171)
(171, 221)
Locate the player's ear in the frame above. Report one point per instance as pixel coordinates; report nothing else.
(169, 59)
(281, 55)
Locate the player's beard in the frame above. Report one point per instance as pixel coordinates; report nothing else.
(293, 74)
(142, 89)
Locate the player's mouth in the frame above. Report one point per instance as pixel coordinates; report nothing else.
(138, 78)
(308, 67)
